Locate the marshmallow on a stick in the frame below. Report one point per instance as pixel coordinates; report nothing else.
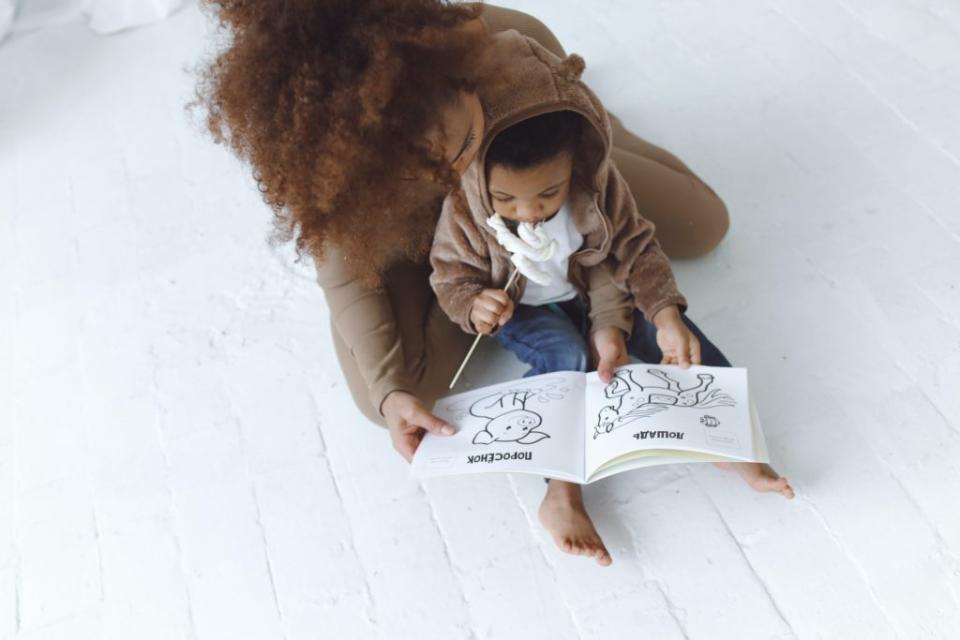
(531, 246)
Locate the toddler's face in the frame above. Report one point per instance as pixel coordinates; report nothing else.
(531, 195)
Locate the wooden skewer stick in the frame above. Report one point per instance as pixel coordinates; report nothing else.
(463, 365)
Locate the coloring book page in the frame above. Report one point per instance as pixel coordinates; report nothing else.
(658, 407)
(532, 425)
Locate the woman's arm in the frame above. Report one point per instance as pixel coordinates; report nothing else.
(366, 322)
(364, 319)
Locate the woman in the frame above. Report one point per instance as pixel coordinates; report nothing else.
(357, 116)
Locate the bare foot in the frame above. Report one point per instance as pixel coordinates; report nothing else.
(761, 477)
(563, 515)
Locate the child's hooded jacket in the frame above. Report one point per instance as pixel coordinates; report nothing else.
(618, 242)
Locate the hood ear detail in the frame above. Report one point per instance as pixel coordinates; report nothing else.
(572, 68)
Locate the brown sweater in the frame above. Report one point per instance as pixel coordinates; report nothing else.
(618, 242)
(366, 319)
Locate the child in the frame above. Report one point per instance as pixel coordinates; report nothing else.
(551, 168)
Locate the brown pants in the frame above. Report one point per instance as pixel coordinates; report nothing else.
(690, 218)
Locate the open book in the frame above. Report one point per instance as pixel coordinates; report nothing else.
(572, 426)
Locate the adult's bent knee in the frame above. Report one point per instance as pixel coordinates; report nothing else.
(502, 19)
(705, 229)
(713, 228)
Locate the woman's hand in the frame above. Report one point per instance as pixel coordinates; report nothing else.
(491, 309)
(608, 347)
(676, 341)
(408, 421)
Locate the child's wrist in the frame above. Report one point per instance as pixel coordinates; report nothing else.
(609, 331)
(666, 316)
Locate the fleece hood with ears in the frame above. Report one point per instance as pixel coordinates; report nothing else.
(520, 79)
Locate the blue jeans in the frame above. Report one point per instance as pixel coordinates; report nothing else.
(554, 338)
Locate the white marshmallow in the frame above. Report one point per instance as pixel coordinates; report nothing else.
(532, 246)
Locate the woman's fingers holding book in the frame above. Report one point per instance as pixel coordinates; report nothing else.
(433, 424)
(407, 437)
(417, 416)
(408, 420)
(406, 443)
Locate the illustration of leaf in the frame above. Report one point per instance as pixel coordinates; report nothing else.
(532, 437)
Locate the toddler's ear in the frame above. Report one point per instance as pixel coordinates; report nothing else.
(483, 437)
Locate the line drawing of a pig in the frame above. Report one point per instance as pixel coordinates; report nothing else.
(508, 419)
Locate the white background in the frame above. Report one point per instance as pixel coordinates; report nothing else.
(179, 457)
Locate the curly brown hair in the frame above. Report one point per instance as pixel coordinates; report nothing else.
(330, 101)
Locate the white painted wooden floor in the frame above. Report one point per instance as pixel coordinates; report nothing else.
(179, 457)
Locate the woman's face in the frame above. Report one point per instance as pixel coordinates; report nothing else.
(462, 131)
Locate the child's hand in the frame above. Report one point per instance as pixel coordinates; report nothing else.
(491, 309)
(608, 347)
(676, 341)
